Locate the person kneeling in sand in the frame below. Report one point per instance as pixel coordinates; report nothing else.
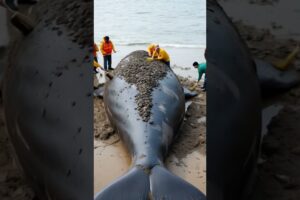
(201, 70)
(161, 54)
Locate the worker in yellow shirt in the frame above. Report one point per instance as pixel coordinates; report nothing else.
(162, 55)
(96, 67)
(151, 49)
(95, 50)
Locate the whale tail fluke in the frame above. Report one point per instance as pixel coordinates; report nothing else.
(165, 185)
(134, 185)
(156, 184)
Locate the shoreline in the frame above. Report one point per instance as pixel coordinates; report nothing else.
(181, 58)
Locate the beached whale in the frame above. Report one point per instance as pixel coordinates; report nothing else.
(233, 107)
(48, 102)
(145, 103)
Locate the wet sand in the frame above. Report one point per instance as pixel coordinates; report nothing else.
(187, 156)
(13, 184)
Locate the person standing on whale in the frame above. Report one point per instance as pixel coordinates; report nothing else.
(106, 48)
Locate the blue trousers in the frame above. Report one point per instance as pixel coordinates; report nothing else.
(107, 61)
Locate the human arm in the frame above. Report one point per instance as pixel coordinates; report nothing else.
(113, 46)
(154, 53)
(199, 75)
(149, 52)
(96, 48)
(96, 64)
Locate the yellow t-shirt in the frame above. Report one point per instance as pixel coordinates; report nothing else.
(96, 65)
(163, 55)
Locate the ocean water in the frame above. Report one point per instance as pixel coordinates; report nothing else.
(179, 26)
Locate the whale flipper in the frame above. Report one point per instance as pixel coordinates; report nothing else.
(274, 80)
(188, 94)
(99, 91)
(133, 185)
(168, 186)
(158, 183)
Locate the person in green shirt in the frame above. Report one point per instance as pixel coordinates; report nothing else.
(201, 70)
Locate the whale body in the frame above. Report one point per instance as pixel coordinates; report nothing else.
(145, 103)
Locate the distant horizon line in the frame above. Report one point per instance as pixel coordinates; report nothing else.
(200, 46)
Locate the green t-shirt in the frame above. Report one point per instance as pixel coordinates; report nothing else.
(201, 70)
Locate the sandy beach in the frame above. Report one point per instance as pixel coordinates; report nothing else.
(187, 156)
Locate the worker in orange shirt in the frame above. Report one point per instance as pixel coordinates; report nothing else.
(106, 48)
